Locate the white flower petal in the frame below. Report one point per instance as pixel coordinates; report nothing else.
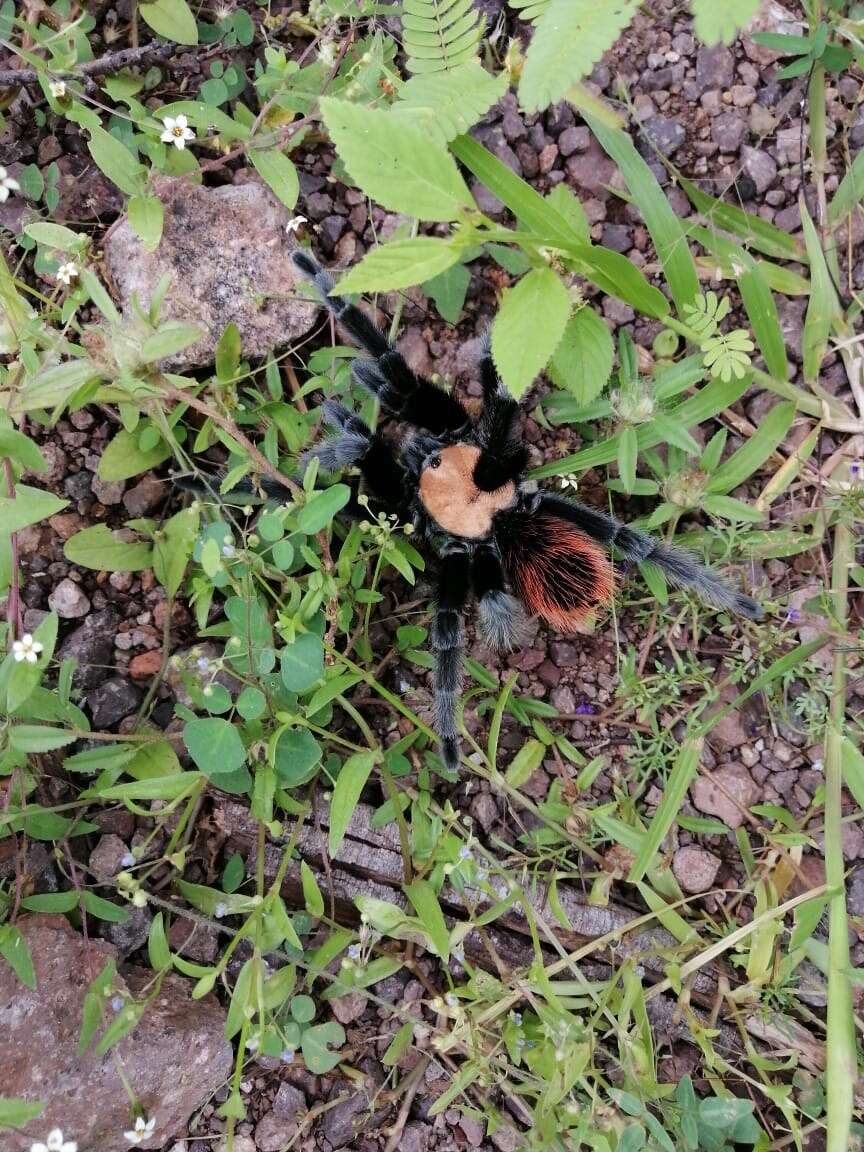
(181, 121)
(36, 646)
(55, 1136)
(31, 658)
(4, 193)
(38, 1147)
(13, 185)
(169, 122)
(179, 142)
(167, 136)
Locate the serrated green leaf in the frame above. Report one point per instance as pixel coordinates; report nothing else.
(448, 103)
(400, 264)
(529, 327)
(394, 162)
(717, 23)
(569, 39)
(582, 362)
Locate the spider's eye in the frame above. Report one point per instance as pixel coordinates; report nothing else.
(435, 462)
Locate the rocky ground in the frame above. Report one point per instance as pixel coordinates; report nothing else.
(720, 116)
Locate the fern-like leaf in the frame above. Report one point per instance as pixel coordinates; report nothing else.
(439, 35)
(530, 9)
(570, 38)
(447, 104)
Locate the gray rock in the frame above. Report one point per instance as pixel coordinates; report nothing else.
(92, 646)
(618, 237)
(415, 1138)
(728, 131)
(108, 492)
(341, 1123)
(289, 1101)
(484, 810)
(715, 67)
(273, 1133)
(574, 140)
(758, 165)
(129, 935)
(145, 496)
(228, 256)
(710, 795)
(695, 868)
(665, 134)
(591, 171)
(855, 893)
(106, 858)
(176, 1057)
(111, 701)
(69, 601)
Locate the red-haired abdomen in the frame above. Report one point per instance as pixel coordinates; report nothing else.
(557, 571)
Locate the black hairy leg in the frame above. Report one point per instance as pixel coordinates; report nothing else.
(503, 456)
(356, 445)
(500, 616)
(401, 393)
(680, 567)
(448, 639)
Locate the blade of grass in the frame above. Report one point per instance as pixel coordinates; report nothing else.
(664, 226)
(823, 302)
(790, 468)
(752, 230)
(680, 779)
(754, 452)
(841, 1069)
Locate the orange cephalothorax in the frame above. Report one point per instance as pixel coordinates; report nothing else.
(558, 572)
(453, 500)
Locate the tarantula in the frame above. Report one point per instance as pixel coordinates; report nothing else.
(461, 482)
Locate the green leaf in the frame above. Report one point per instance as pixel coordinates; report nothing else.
(172, 19)
(228, 352)
(680, 778)
(400, 264)
(158, 950)
(21, 449)
(823, 304)
(439, 34)
(302, 663)
(628, 453)
(214, 745)
(278, 173)
(32, 738)
(171, 338)
(204, 116)
(321, 507)
(173, 547)
(116, 162)
(146, 215)
(296, 757)
(123, 458)
(28, 506)
(394, 162)
(312, 897)
(346, 795)
(445, 104)
(582, 362)
(98, 548)
(525, 763)
(751, 230)
(104, 909)
(728, 508)
(569, 39)
(850, 191)
(448, 290)
(717, 23)
(529, 327)
(664, 226)
(15, 951)
(755, 451)
(25, 677)
(16, 1113)
(422, 896)
(315, 1044)
(54, 385)
(51, 902)
(55, 236)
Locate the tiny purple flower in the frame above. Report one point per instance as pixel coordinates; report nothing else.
(585, 709)
(793, 616)
(856, 470)
(287, 1056)
(117, 1003)
(128, 860)
(354, 951)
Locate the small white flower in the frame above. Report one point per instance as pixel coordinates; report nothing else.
(67, 272)
(27, 649)
(220, 910)
(54, 1143)
(57, 88)
(177, 131)
(295, 224)
(571, 480)
(7, 185)
(228, 550)
(142, 1131)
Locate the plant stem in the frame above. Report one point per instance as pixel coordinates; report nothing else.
(13, 607)
(841, 1068)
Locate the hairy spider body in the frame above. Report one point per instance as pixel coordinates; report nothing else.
(461, 482)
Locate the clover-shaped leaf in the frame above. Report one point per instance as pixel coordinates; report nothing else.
(316, 1044)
